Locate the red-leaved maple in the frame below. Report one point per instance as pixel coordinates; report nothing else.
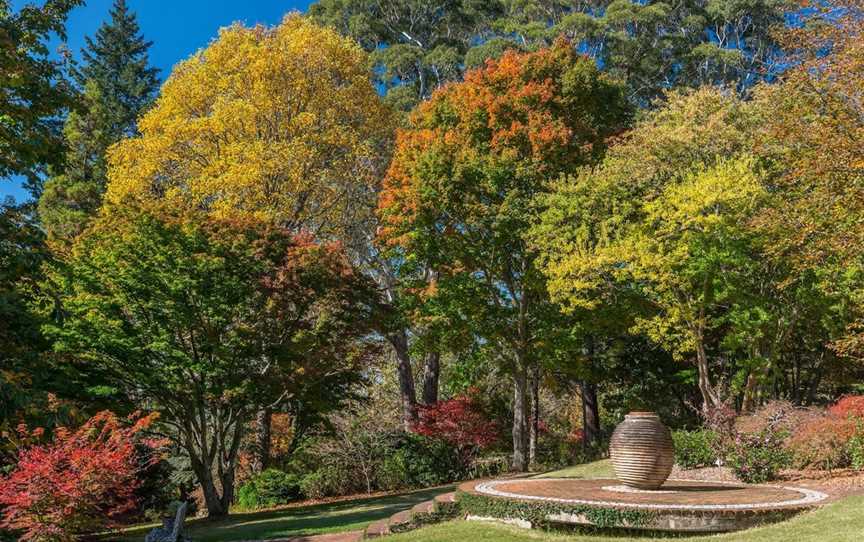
(79, 482)
(461, 422)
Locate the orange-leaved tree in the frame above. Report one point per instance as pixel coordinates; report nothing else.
(814, 131)
(458, 196)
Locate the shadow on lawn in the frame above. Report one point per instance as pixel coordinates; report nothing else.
(300, 521)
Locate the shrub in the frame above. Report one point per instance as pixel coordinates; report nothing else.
(758, 458)
(488, 467)
(538, 512)
(720, 418)
(364, 453)
(271, 487)
(822, 443)
(80, 482)
(462, 423)
(855, 447)
(849, 406)
(416, 461)
(834, 439)
(696, 449)
(317, 484)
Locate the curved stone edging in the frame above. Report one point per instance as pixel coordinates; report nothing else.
(809, 497)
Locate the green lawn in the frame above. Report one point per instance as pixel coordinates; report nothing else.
(324, 518)
(838, 522)
(597, 469)
(842, 521)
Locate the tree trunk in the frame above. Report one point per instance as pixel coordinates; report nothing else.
(399, 340)
(432, 369)
(228, 489)
(534, 415)
(590, 414)
(204, 473)
(227, 451)
(261, 456)
(710, 401)
(590, 405)
(211, 439)
(215, 506)
(520, 417)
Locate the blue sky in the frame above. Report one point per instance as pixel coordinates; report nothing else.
(177, 28)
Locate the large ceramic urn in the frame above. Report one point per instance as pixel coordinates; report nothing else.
(642, 451)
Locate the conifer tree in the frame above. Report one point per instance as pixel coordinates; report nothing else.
(117, 85)
(116, 60)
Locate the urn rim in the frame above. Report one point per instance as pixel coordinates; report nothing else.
(642, 414)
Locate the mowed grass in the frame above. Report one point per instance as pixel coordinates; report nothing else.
(837, 522)
(340, 516)
(596, 469)
(842, 521)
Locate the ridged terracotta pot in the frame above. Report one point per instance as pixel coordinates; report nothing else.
(642, 451)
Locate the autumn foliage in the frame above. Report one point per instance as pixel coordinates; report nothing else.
(520, 120)
(79, 482)
(279, 121)
(851, 406)
(462, 423)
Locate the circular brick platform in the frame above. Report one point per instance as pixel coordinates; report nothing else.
(679, 505)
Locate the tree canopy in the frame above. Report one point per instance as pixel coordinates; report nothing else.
(206, 320)
(652, 46)
(117, 86)
(457, 198)
(36, 92)
(279, 122)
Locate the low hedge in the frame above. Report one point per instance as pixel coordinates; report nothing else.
(537, 512)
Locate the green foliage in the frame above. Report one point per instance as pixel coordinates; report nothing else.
(415, 43)
(116, 60)
(649, 45)
(758, 458)
(665, 228)
(537, 512)
(266, 317)
(411, 460)
(488, 467)
(270, 487)
(33, 389)
(696, 449)
(377, 460)
(459, 199)
(855, 446)
(22, 252)
(325, 482)
(444, 511)
(118, 85)
(35, 91)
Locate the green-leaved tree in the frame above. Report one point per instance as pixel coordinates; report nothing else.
(207, 321)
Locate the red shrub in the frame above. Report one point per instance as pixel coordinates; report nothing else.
(821, 442)
(78, 483)
(461, 422)
(849, 406)
(576, 436)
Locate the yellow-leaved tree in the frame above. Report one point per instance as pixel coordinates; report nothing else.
(281, 122)
(278, 123)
